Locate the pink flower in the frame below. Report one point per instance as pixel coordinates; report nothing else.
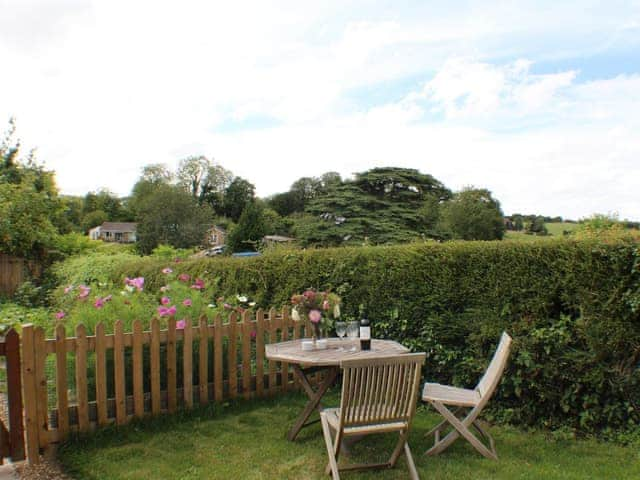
(164, 288)
(315, 316)
(227, 306)
(183, 277)
(84, 291)
(253, 334)
(107, 298)
(310, 295)
(172, 310)
(325, 305)
(167, 271)
(68, 289)
(60, 315)
(198, 284)
(165, 300)
(137, 282)
(99, 303)
(180, 324)
(187, 302)
(162, 311)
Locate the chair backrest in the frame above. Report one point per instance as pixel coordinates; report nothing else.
(380, 390)
(491, 377)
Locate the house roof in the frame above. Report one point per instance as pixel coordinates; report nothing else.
(119, 226)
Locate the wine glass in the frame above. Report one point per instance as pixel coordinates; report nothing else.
(341, 331)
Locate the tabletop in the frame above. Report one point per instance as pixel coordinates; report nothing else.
(337, 350)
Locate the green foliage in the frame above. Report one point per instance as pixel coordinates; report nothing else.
(572, 307)
(237, 196)
(382, 205)
(537, 227)
(473, 214)
(29, 294)
(167, 252)
(170, 215)
(74, 244)
(250, 229)
(13, 315)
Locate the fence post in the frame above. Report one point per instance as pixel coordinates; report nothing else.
(30, 392)
(14, 386)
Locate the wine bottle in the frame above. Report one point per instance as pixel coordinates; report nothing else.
(365, 334)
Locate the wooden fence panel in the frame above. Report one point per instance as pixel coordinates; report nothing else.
(219, 352)
(14, 395)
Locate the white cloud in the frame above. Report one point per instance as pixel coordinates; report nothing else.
(104, 88)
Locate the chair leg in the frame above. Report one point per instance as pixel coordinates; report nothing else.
(441, 425)
(402, 441)
(460, 428)
(413, 471)
(330, 448)
(487, 436)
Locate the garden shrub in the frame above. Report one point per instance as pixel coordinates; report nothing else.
(571, 306)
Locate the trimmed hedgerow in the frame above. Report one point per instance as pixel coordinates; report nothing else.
(571, 306)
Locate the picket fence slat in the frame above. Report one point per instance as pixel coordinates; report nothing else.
(82, 397)
(203, 370)
(187, 365)
(29, 386)
(42, 397)
(138, 370)
(246, 354)
(273, 372)
(119, 374)
(61, 381)
(101, 375)
(172, 391)
(259, 353)
(218, 380)
(284, 366)
(233, 356)
(155, 366)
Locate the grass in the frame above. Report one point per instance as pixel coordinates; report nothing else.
(555, 230)
(246, 440)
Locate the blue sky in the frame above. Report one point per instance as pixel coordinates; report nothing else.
(537, 101)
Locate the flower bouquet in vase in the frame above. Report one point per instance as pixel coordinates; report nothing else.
(320, 308)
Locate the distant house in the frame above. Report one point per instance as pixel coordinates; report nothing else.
(121, 232)
(94, 233)
(276, 240)
(216, 236)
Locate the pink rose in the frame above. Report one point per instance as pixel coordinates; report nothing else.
(315, 316)
(187, 302)
(172, 310)
(165, 300)
(180, 324)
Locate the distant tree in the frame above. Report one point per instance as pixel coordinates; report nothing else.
(169, 215)
(29, 203)
(473, 214)
(237, 196)
(286, 203)
(537, 226)
(205, 180)
(518, 223)
(156, 173)
(93, 219)
(250, 229)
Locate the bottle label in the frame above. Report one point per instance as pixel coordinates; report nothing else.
(365, 333)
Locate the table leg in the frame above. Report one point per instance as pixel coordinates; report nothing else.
(314, 397)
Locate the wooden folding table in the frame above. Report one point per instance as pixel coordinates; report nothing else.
(307, 362)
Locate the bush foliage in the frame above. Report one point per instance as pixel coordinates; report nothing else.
(572, 307)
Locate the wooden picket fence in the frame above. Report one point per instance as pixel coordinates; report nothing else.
(14, 271)
(243, 373)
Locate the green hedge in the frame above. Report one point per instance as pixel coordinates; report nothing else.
(571, 306)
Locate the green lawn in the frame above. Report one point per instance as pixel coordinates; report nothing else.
(554, 229)
(247, 441)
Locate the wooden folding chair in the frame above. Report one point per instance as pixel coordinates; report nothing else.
(378, 396)
(470, 401)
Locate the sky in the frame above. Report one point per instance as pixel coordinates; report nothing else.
(537, 101)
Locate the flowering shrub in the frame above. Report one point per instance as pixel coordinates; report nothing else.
(181, 297)
(321, 308)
